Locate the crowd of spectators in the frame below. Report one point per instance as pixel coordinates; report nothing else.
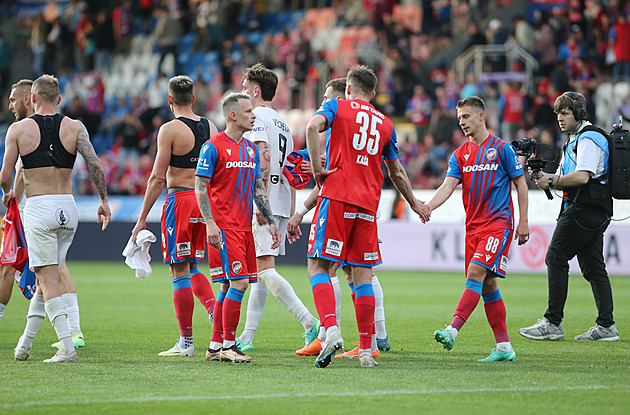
(578, 45)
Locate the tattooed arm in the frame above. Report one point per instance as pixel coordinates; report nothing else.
(95, 168)
(265, 163)
(203, 200)
(262, 202)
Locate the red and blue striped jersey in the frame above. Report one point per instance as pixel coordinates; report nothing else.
(232, 168)
(486, 172)
(360, 136)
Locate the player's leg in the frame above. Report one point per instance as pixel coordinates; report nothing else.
(202, 289)
(200, 285)
(69, 295)
(382, 339)
(34, 317)
(184, 305)
(496, 315)
(216, 341)
(6, 287)
(364, 308)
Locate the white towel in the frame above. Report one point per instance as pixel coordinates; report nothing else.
(137, 253)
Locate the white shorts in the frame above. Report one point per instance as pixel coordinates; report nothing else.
(50, 222)
(263, 239)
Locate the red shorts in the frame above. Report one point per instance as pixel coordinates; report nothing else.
(346, 233)
(183, 229)
(236, 259)
(489, 249)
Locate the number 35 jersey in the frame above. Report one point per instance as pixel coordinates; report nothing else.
(271, 128)
(359, 137)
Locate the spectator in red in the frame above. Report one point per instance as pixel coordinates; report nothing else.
(620, 43)
(512, 106)
(122, 20)
(419, 109)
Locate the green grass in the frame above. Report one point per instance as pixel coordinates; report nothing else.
(127, 321)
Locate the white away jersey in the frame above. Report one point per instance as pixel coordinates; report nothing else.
(271, 128)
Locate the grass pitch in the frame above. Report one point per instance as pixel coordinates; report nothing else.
(127, 321)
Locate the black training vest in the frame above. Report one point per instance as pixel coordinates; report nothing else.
(200, 130)
(50, 152)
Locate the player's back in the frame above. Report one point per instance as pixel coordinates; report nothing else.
(360, 137)
(271, 128)
(185, 137)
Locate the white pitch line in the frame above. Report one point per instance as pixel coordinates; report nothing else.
(303, 395)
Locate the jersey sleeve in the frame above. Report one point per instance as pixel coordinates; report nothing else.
(454, 169)
(390, 151)
(510, 161)
(259, 132)
(329, 111)
(208, 157)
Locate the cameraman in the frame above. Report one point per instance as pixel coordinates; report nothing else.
(584, 216)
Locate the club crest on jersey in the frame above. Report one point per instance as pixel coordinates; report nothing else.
(354, 105)
(250, 151)
(491, 154)
(334, 247)
(237, 267)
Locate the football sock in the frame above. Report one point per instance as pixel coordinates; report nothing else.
(497, 315)
(2, 307)
(504, 346)
(452, 330)
(467, 303)
(331, 330)
(202, 289)
(217, 327)
(184, 304)
(185, 342)
(374, 344)
(324, 297)
(35, 316)
(364, 309)
(255, 305)
(72, 307)
(56, 310)
(231, 314)
(322, 333)
(334, 280)
(285, 294)
(379, 309)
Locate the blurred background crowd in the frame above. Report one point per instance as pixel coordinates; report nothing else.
(114, 58)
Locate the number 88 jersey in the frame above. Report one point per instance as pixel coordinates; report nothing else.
(360, 136)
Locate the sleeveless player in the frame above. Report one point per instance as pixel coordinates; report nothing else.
(275, 142)
(485, 166)
(182, 227)
(344, 224)
(228, 182)
(47, 143)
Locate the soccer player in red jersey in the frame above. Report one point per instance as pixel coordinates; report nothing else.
(486, 166)
(182, 227)
(228, 181)
(344, 223)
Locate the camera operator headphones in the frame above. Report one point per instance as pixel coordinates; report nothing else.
(579, 112)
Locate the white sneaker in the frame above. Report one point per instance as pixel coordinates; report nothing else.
(543, 330)
(367, 360)
(59, 357)
(178, 351)
(21, 353)
(600, 333)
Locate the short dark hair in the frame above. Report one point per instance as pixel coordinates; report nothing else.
(266, 79)
(338, 85)
(180, 88)
(363, 78)
(47, 88)
(473, 102)
(570, 100)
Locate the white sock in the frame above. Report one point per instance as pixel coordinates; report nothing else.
(185, 342)
(331, 330)
(284, 293)
(504, 346)
(228, 343)
(379, 309)
(72, 307)
(56, 310)
(337, 289)
(322, 333)
(34, 317)
(365, 351)
(374, 344)
(453, 331)
(215, 345)
(2, 307)
(258, 294)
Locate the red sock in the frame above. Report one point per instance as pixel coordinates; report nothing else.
(466, 305)
(496, 314)
(184, 305)
(202, 289)
(231, 313)
(364, 310)
(217, 326)
(324, 297)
